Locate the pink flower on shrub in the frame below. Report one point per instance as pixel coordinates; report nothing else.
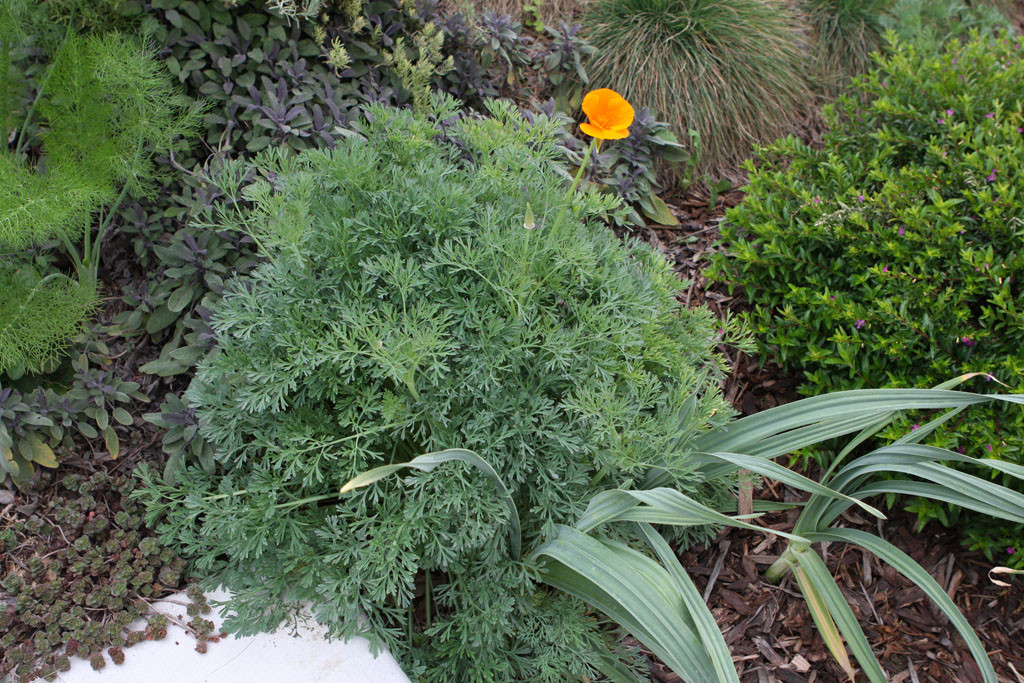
(992, 176)
(885, 269)
(900, 231)
(990, 115)
(859, 324)
(949, 112)
(967, 341)
(914, 428)
(1010, 549)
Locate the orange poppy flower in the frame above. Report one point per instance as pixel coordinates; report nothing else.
(609, 113)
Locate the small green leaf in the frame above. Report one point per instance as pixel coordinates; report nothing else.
(179, 299)
(657, 210)
(42, 453)
(112, 442)
(163, 368)
(123, 417)
(8, 463)
(160, 319)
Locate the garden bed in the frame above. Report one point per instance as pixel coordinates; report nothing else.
(768, 627)
(83, 572)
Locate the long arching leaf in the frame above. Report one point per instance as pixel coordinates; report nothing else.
(815, 580)
(703, 621)
(634, 590)
(913, 571)
(659, 506)
(767, 468)
(429, 461)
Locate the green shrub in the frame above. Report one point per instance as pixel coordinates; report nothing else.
(892, 255)
(404, 308)
(731, 70)
(845, 33)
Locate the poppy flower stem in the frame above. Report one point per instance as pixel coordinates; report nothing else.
(594, 145)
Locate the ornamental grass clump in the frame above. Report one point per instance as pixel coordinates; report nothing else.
(423, 290)
(844, 34)
(729, 70)
(891, 257)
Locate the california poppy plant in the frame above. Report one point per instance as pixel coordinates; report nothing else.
(609, 114)
(610, 117)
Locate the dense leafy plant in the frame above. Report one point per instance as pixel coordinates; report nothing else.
(404, 308)
(845, 33)
(487, 53)
(264, 75)
(562, 61)
(932, 23)
(629, 169)
(890, 256)
(731, 70)
(41, 414)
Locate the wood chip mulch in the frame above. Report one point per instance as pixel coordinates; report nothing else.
(768, 627)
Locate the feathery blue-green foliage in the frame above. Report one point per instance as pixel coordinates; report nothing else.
(404, 308)
(891, 256)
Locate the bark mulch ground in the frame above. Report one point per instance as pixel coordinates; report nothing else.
(768, 628)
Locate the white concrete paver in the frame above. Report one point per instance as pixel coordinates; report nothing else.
(270, 657)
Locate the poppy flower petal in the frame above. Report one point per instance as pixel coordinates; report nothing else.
(612, 134)
(609, 114)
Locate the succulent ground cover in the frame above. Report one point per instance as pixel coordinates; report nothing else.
(80, 571)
